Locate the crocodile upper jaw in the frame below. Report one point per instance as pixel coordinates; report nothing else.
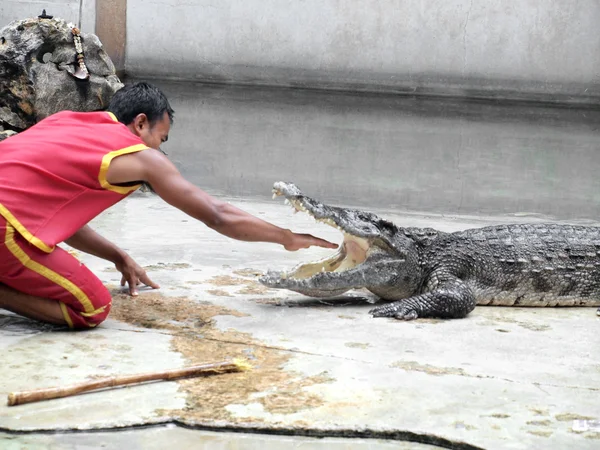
(358, 245)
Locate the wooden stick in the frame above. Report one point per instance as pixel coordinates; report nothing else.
(19, 398)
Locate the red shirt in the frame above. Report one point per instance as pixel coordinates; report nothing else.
(53, 175)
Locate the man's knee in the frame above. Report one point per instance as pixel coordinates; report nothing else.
(101, 301)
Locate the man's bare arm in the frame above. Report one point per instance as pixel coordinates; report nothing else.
(88, 241)
(153, 167)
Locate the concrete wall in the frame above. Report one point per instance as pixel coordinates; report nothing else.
(79, 12)
(534, 50)
(374, 151)
(529, 49)
(111, 28)
(380, 151)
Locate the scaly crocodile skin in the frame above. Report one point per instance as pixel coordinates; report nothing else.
(427, 273)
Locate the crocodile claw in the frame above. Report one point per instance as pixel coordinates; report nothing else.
(397, 310)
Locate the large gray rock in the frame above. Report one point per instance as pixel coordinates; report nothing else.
(37, 58)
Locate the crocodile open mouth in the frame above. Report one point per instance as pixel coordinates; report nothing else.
(352, 252)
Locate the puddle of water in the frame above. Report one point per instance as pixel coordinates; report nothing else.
(581, 426)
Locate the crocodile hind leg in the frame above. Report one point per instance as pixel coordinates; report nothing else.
(447, 297)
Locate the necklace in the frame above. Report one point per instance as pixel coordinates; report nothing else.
(81, 71)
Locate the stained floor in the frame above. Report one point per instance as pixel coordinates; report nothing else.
(501, 378)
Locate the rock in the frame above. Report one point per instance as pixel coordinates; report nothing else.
(6, 134)
(37, 58)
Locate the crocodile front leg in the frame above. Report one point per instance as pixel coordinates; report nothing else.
(447, 297)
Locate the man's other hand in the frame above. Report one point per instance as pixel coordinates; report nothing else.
(133, 275)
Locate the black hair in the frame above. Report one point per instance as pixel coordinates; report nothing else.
(138, 98)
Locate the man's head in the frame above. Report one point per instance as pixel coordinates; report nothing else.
(145, 110)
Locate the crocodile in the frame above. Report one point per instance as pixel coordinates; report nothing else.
(423, 272)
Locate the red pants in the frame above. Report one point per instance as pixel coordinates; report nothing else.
(84, 300)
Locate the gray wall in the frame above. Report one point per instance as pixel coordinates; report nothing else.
(79, 12)
(523, 49)
(382, 151)
(534, 49)
(450, 156)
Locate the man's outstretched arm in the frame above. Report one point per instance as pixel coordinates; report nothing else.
(156, 169)
(88, 241)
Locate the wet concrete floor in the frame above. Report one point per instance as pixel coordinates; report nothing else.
(513, 378)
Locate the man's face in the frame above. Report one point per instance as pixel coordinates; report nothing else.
(154, 134)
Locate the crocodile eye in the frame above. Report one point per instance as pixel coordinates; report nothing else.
(365, 226)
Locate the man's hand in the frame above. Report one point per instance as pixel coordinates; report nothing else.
(87, 240)
(298, 241)
(133, 275)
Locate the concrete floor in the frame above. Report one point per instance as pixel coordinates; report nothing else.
(503, 378)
